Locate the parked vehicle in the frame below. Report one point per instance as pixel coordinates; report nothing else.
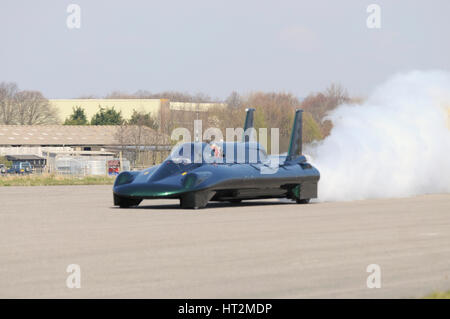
(21, 168)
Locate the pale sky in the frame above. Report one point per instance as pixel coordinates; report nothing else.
(216, 47)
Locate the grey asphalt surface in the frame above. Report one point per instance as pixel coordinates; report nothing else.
(265, 249)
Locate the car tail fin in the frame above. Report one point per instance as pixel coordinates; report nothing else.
(248, 124)
(295, 145)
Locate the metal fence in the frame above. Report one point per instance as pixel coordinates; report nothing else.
(84, 166)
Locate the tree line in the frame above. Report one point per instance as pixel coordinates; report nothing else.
(273, 109)
(110, 116)
(24, 107)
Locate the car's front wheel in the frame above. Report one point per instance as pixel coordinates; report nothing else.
(196, 200)
(124, 202)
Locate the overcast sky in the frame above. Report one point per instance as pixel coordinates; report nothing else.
(216, 47)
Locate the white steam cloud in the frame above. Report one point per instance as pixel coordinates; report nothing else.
(395, 144)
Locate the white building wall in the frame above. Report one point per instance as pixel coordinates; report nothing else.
(30, 150)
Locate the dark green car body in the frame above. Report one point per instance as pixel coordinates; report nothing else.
(195, 174)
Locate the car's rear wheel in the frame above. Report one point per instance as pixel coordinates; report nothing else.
(299, 192)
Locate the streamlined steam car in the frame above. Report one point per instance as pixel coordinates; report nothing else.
(196, 173)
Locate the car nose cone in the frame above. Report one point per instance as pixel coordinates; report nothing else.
(146, 189)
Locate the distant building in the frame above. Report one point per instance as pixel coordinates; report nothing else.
(83, 137)
(34, 160)
(159, 108)
(105, 142)
(91, 106)
(141, 145)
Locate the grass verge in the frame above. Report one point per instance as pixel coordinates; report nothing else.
(48, 180)
(439, 295)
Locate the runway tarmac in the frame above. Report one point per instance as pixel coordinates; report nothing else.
(265, 249)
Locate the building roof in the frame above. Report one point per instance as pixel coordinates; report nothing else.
(23, 157)
(62, 135)
(76, 153)
(195, 107)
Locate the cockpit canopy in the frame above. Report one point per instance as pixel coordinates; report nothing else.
(221, 152)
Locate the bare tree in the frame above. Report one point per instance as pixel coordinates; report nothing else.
(33, 109)
(120, 95)
(139, 137)
(7, 102)
(320, 104)
(87, 96)
(174, 96)
(337, 94)
(24, 107)
(234, 100)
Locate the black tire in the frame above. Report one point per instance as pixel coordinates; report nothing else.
(123, 202)
(195, 200)
(303, 201)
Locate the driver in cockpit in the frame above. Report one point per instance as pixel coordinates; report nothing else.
(216, 150)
